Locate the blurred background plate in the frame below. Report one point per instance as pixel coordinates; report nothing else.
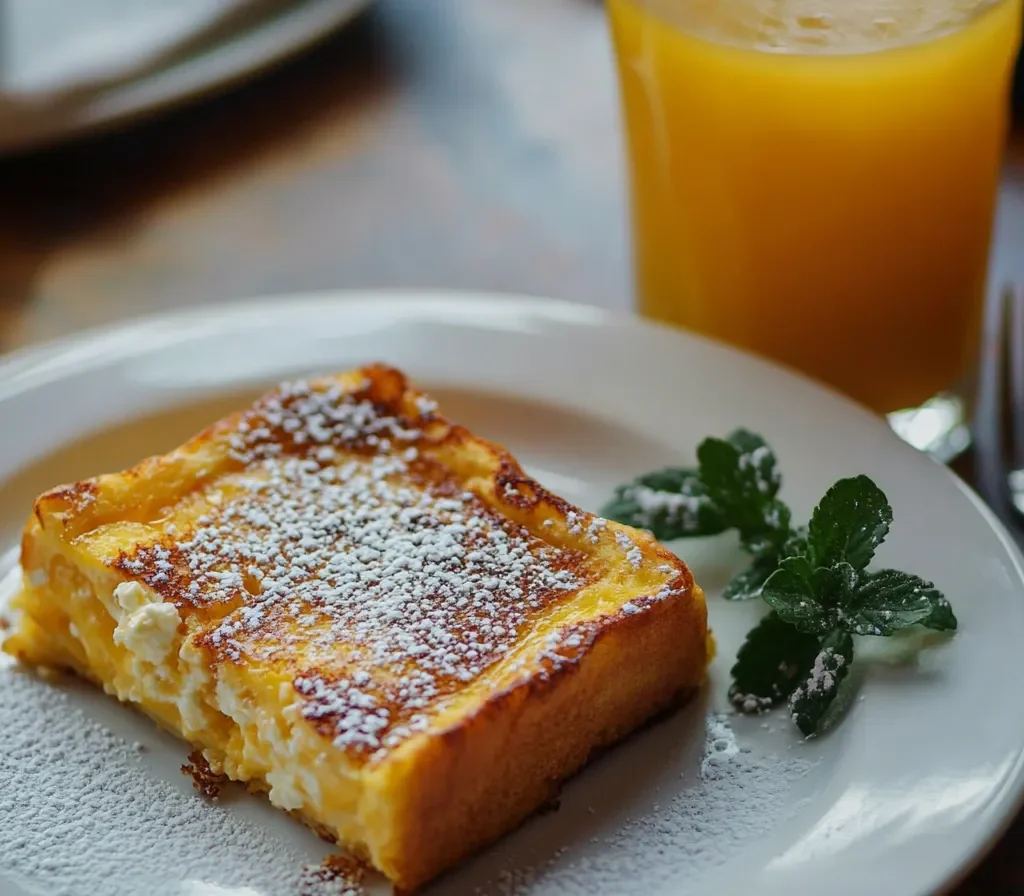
(229, 48)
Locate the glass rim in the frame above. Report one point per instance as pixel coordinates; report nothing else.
(977, 12)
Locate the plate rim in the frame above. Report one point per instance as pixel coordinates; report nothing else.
(220, 68)
(21, 359)
(19, 364)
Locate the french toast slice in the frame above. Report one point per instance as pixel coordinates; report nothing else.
(341, 598)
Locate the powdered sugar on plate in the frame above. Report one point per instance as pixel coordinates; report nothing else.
(721, 747)
(84, 810)
(80, 813)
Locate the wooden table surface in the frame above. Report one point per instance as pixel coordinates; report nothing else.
(437, 143)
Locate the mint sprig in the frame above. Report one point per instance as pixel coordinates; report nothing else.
(734, 487)
(815, 579)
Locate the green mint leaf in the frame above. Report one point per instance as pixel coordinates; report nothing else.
(849, 523)
(819, 600)
(742, 478)
(671, 479)
(670, 503)
(757, 457)
(770, 533)
(795, 544)
(748, 584)
(810, 701)
(769, 548)
(889, 600)
(813, 599)
(774, 658)
(941, 618)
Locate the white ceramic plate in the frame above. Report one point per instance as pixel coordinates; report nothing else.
(260, 44)
(899, 799)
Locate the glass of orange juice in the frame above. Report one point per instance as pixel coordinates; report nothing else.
(814, 180)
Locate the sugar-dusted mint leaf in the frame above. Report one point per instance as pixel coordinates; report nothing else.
(671, 479)
(670, 503)
(747, 585)
(742, 478)
(821, 600)
(795, 544)
(774, 658)
(849, 523)
(941, 618)
(769, 535)
(813, 577)
(811, 699)
(813, 599)
(757, 459)
(889, 600)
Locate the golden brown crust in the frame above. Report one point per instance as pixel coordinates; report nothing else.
(603, 626)
(171, 498)
(492, 770)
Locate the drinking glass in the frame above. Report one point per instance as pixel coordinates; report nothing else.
(814, 181)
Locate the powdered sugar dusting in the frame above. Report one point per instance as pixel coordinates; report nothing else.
(673, 507)
(338, 536)
(822, 677)
(721, 745)
(633, 554)
(80, 813)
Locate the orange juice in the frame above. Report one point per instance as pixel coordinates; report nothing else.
(814, 180)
